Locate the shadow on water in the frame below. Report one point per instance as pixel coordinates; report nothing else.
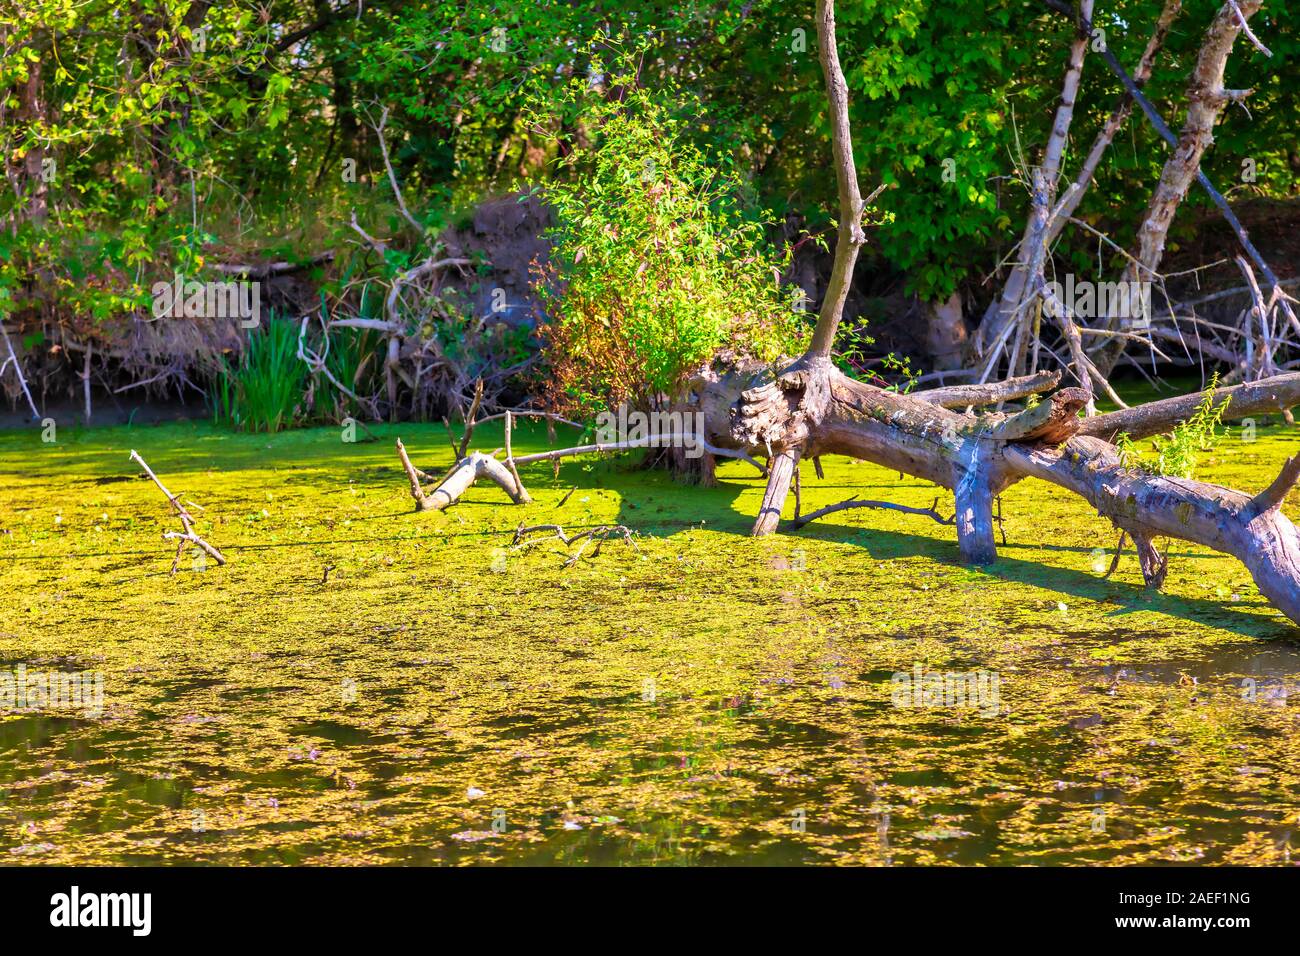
(717, 509)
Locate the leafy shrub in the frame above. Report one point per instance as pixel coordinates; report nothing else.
(655, 265)
(1177, 454)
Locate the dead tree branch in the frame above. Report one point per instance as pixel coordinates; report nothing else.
(599, 534)
(990, 393)
(459, 479)
(392, 177)
(1206, 100)
(851, 237)
(187, 536)
(469, 420)
(1275, 394)
(12, 359)
(853, 502)
(1034, 243)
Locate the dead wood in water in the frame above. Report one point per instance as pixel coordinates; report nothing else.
(459, 479)
(809, 408)
(599, 534)
(186, 536)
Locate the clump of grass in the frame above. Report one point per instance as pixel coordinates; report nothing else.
(1177, 454)
(262, 391)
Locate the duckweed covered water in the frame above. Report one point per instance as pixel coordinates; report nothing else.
(363, 684)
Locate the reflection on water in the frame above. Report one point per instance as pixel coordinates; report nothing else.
(1102, 765)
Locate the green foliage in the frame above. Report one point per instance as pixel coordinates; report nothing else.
(180, 133)
(1176, 455)
(262, 391)
(657, 262)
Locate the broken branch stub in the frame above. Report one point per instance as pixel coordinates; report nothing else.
(1051, 421)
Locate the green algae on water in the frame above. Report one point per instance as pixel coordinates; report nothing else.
(364, 684)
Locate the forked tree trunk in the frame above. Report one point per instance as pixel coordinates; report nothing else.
(1206, 100)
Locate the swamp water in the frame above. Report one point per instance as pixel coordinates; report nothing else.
(363, 684)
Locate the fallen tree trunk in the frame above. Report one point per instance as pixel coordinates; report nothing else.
(979, 456)
(810, 408)
(808, 411)
(1251, 529)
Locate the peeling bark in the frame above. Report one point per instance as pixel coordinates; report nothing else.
(990, 393)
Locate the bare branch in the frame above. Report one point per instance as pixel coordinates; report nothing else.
(392, 177)
(851, 237)
(930, 512)
(1245, 28)
(1275, 394)
(1271, 498)
(599, 534)
(469, 419)
(18, 370)
(186, 536)
(266, 270)
(990, 393)
(510, 459)
(459, 479)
